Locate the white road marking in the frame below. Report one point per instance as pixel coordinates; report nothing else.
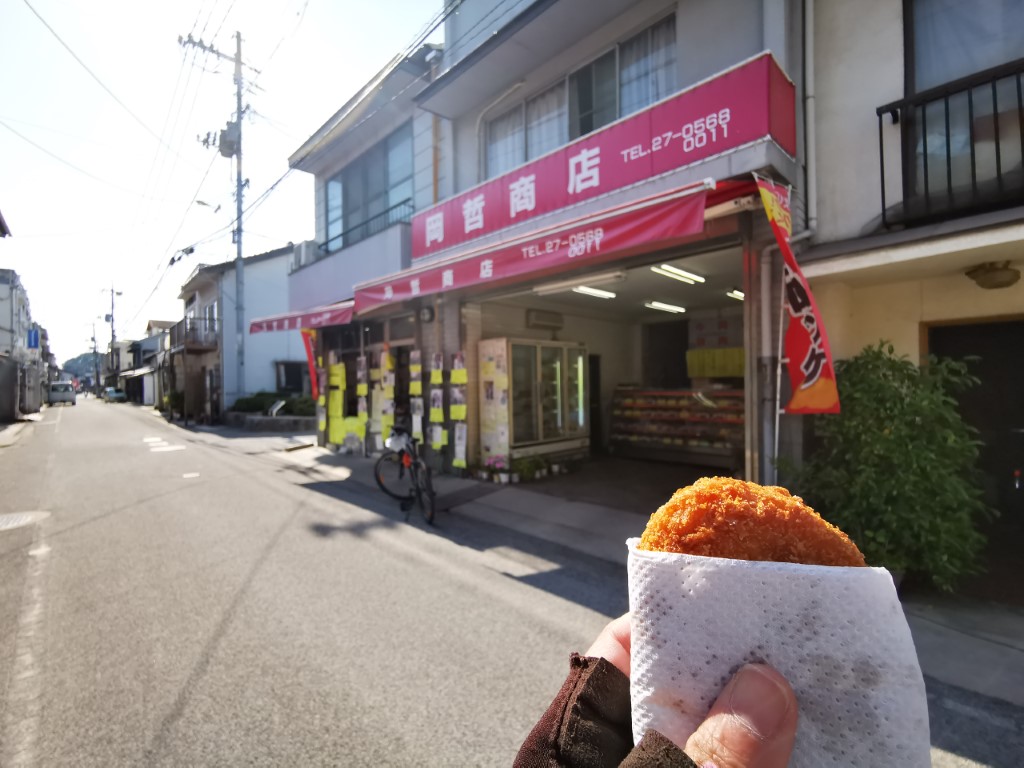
(56, 426)
(166, 448)
(190, 475)
(158, 444)
(152, 439)
(21, 726)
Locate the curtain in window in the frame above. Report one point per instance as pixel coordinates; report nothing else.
(334, 212)
(505, 145)
(547, 127)
(953, 39)
(593, 92)
(647, 67)
(399, 156)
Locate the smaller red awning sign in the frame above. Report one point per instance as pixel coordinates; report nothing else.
(596, 238)
(809, 358)
(317, 317)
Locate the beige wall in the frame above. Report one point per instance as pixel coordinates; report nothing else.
(858, 68)
(856, 316)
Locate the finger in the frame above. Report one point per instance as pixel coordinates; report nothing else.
(751, 725)
(613, 644)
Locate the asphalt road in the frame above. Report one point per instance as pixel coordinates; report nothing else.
(190, 602)
(196, 599)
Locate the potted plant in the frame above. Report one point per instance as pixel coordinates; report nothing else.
(896, 469)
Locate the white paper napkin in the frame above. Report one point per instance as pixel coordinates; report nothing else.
(837, 634)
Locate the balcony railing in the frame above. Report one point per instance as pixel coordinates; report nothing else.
(194, 333)
(961, 146)
(400, 213)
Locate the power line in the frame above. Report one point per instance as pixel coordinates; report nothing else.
(92, 74)
(74, 167)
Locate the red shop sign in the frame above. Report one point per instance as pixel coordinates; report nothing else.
(590, 239)
(750, 102)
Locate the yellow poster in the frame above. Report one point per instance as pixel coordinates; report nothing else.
(458, 412)
(461, 463)
(375, 374)
(387, 421)
(362, 389)
(415, 387)
(459, 376)
(387, 361)
(437, 415)
(415, 370)
(353, 426)
(389, 393)
(436, 376)
(321, 401)
(322, 426)
(444, 437)
(363, 417)
(488, 370)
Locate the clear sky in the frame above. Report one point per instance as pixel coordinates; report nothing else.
(99, 161)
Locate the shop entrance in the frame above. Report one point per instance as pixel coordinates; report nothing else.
(996, 409)
(664, 342)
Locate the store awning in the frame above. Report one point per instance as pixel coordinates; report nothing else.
(317, 317)
(136, 372)
(652, 223)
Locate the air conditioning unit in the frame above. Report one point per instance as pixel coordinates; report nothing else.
(303, 254)
(544, 320)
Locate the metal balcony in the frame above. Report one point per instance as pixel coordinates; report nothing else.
(960, 149)
(400, 213)
(194, 335)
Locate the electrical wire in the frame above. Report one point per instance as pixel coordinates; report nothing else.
(93, 75)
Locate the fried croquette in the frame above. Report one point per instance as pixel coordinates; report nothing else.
(723, 517)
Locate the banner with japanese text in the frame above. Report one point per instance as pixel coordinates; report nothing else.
(596, 239)
(812, 376)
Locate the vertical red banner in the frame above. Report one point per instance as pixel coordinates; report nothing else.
(309, 340)
(809, 357)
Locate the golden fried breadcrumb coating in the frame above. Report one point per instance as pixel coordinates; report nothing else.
(723, 517)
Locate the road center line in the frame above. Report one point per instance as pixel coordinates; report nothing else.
(166, 448)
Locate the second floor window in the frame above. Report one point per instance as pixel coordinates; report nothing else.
(362, 195)
(954, 39)
(632, 75)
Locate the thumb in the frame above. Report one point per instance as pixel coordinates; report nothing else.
(751, 725)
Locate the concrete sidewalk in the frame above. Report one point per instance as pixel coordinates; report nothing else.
(976, 646)
(9, 433)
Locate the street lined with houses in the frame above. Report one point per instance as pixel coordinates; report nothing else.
(235, 602)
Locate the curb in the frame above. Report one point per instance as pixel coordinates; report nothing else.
(9, 435)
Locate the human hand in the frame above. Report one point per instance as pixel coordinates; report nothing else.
(752, 724)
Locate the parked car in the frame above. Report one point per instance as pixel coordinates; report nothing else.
(60, 392)
(114, 395)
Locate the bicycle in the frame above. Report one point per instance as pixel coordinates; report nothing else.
(402, 474)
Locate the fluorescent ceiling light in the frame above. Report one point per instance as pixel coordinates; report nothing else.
(682, 273)
(567, 285)
(595, 292)
(734, 294)
(666, 273)
(664, 307)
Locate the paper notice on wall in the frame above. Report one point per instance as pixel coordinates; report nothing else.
(436, 437)
(416, 423)
(488, 369)
(436, 405)
(416, 386)
(387, 361)
(375, 374)
(459, 459)
(362, 410)
(416, 406)
(387, 421)
(458, 412)
(437, 369)
(389, 392)
(362, 389)
(459, 374)
(415, 362)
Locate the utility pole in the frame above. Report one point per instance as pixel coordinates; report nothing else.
(230, 145)
(113, 334)
(95, 362)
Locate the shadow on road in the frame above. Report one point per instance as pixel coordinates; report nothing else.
(985, 730)
(572, 575)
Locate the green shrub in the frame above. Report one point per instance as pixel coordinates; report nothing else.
(896, 469)
(303, 405)
(257, 403)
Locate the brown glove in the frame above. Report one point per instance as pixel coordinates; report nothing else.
(588, 726)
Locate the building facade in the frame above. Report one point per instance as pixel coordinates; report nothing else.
(202, 356)
(25, 359)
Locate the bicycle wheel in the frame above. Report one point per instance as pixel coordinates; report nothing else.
(425, 492)
(392, 476)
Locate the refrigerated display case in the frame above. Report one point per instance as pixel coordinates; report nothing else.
(534, 399)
